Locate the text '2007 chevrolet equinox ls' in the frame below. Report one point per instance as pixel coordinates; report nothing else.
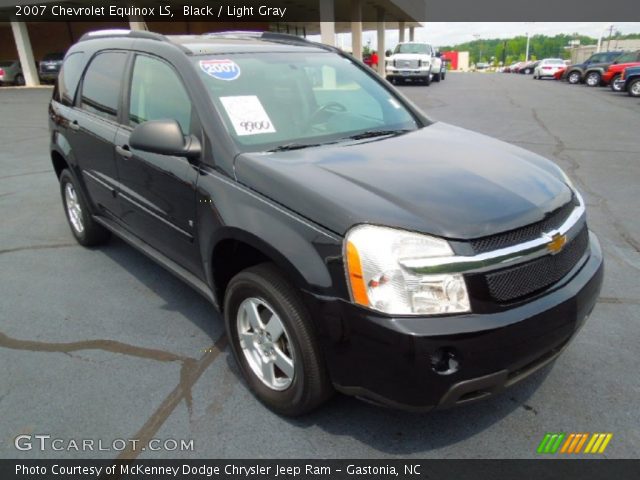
(351, 243)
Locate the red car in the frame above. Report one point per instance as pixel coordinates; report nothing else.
(614, 72)
(558, 74)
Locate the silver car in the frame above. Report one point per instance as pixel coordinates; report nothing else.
(11, 73)
(548, 67)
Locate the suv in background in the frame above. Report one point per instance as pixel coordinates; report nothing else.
(415, 61)
(614, 72)
(49, 67)
(349, 242)
(11, 73)
(603, 74)
(574, 74)
(630, 81)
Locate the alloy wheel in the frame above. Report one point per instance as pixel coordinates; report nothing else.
(73, 208)
(265, 343)
(635, 89)
(593, 79)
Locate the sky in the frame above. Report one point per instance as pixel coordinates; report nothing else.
(451, 33)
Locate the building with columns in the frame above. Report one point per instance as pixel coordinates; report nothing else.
(30, 41)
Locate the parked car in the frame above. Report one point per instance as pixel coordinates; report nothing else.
(528, 67)
(415, 61)
(630, 80)
(49, 67)
(548, 67)
(575, 73)
(515, 68)
(597, 75)
(350, 242)
(11, 73)
(614, 72)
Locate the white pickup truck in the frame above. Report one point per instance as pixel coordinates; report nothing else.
(415, 61)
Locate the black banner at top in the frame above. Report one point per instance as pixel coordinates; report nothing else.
(309, 11)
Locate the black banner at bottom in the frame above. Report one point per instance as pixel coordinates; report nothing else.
(319, 469)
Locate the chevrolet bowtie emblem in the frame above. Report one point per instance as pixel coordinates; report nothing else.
(558, 241)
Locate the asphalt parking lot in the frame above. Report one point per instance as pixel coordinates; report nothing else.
(104, 344)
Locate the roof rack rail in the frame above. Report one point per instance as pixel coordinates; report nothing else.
(122, 32)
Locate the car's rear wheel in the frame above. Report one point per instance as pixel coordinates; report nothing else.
(274, 342)
(84, 228)
(592, 79)
(19, 80)
(616, 87)
(634, 88)
(443, 75)
(573, 77)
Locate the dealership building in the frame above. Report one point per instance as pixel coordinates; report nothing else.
(31, 41)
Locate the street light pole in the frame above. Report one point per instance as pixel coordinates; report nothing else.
(526, 57)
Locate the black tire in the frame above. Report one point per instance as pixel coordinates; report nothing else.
(592, 79)
(310, 386)
(573, 77)
(427, 80)
(444, 74)
(633, 89)
(436, 77)
(92, 233)
(613, 84)
(19, 80)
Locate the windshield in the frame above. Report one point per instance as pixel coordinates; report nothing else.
(271, 100)
(411, 48)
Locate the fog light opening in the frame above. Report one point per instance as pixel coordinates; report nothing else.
(445, 361)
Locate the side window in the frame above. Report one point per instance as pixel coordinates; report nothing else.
(69, 77)
(157, 93)
(101, 84)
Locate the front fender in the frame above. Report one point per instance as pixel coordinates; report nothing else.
(306, 252)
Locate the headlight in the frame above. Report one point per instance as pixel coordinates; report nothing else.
(377, 279)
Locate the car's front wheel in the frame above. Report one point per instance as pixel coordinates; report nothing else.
(573, 77)
(634, 88)
(615, 86)
(84, 228)
(274, 342)
(593, 79)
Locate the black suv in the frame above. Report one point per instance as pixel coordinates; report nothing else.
(350, 242)
(576, 73)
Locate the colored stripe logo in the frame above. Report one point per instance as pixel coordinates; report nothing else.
(574, 443)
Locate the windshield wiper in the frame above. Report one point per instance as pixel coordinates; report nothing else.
(293, 146)
(375, 133)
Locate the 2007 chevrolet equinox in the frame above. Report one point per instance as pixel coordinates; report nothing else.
(351, 243)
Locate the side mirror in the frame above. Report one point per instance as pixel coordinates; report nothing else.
(388, 53)
(164, 137)
(438, 54)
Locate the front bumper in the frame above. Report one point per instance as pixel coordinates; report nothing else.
(421, 72)
(395, 361)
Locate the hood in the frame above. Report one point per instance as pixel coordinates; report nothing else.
(442, 180)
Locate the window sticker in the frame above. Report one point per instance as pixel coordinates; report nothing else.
(247, 115)
(224, 69)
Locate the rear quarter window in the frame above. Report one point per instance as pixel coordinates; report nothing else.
(69, 78)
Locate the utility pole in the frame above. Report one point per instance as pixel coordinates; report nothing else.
(609, 39)
(477, 36)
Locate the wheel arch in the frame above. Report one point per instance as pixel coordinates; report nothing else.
(234, 250)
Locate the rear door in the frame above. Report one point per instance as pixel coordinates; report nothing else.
(158, 192)
(93, 124)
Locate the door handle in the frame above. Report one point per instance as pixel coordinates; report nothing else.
(74, 125)
(124, 151)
